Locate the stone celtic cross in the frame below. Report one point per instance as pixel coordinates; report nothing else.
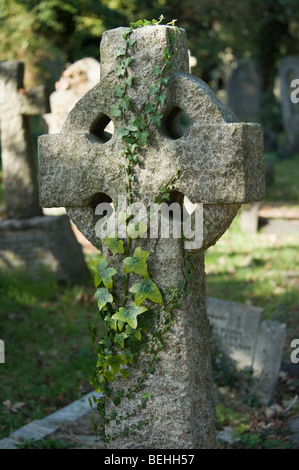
(220, 165)
(19, 171)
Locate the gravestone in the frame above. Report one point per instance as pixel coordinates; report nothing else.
(254, 344)
(75, 81)
(249, 218)
(28, 240)
(19, 173)
(221, 167)
(289, 70)
(244, 91)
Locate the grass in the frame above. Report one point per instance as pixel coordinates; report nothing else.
(285, 186)
(48, 352)
(256, 268)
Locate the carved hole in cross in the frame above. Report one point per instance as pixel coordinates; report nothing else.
(177, 212)
(102, 128)
(175, 123)
(101, 205)
(185, 209)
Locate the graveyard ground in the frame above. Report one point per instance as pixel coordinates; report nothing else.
(48, 348)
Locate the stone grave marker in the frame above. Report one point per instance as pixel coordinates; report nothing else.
(19, 172)
(254, 344)
(244, 91)
(249, 218)
(76, 80)
(289, 70)
(28, 240)
(221, 167)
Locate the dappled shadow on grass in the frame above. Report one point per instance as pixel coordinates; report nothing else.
(276, 304)
(48, 349)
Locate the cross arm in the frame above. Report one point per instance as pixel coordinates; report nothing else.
(75, 167)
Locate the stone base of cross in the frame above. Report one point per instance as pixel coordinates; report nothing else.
(218, 163)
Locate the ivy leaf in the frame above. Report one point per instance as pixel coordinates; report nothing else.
(130, 42)
(161, 99)
(119, 339)
(136, 333)
(123, 216)
(111, 322)
(154, 89)
(157, 70)
(104, 274)
(121, 132)
(125, 102)
(137, 263)
(167, 54)
(106, 341)
(101, 360)
(132, 128)
(120, 71)
(146, 289)
(126, 62)
(108, 374)
(124, 373)
(115, 362)
(136, 25)
(139, 122)
(129, 355)
(128, 81)
(169, 64)
(125, 32)
(142, 137)
(115, 111)
(129, 315)
(156, 119)
(164, 81)
(149, 108)
(114, 244)
(103, 297)
(136, 230)
(121, 51)
(119, 91)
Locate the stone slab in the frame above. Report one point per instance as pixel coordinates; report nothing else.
(8, 443)
(35, 430)
(41, 429)
(39, 243)
(281, 227)
(267, 359)
(249, 218)
(234, 326)
(252, 343)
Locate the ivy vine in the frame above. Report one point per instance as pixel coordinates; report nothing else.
(129, 332)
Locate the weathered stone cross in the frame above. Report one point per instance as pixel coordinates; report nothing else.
(19, 172)
(220, 164)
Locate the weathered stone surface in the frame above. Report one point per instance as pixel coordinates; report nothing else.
(41, 243)
(19, 172)
(289, 70)
(244, 91)
(182, 401)
(75, 81)
(252, 343)
(219, 163)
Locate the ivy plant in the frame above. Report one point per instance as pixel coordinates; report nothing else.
(129, 337)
